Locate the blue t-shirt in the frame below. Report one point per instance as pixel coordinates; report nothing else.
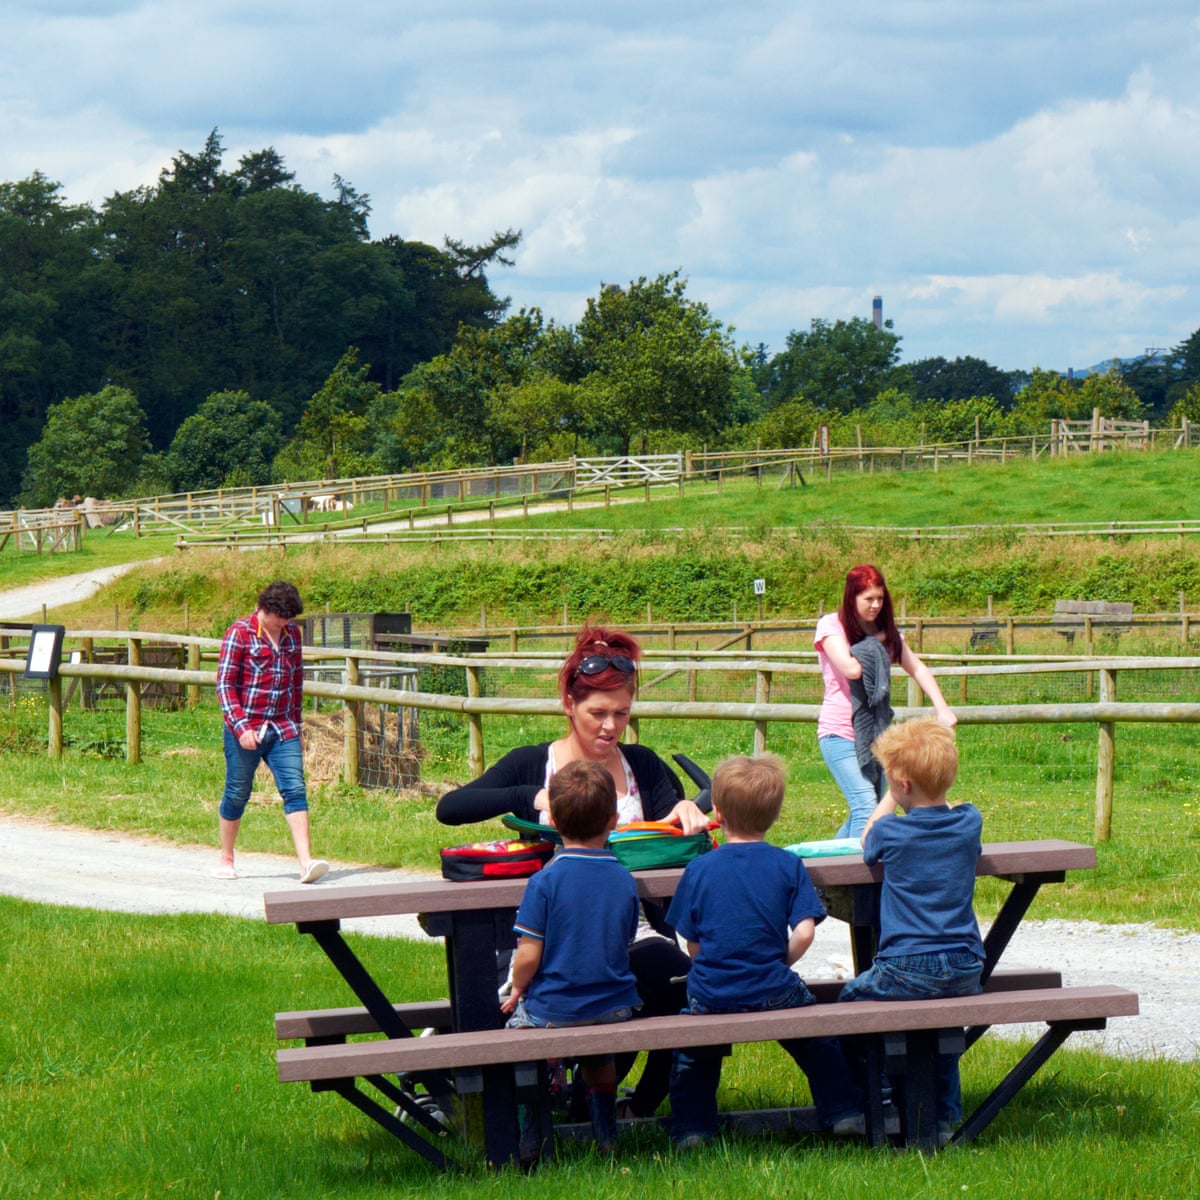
(929, 859)
(583, 907)
(740, 903)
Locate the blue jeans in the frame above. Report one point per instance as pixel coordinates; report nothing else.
(696, 1073)
(924, 977)
(285, 760)
(842, 760)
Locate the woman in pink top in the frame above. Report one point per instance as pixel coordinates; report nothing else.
(866, 611)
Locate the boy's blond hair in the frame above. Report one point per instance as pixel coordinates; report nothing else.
(748, 792)
(921, 750)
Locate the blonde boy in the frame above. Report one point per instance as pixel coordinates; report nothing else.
(929, 943)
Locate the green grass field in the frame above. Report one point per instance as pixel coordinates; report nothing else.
(136, 1060)
(136, 1053)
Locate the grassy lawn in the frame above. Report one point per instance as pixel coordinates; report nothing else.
(136, 1059)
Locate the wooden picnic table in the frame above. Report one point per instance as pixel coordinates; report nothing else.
(476, 919)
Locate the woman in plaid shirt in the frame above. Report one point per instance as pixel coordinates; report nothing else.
(260, 681)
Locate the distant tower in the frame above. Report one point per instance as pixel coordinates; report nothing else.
(877, 312)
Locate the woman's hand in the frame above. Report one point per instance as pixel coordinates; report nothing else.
(945, 716)
(688, 817)
(541, 802)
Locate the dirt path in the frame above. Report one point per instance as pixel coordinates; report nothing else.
(25, 603)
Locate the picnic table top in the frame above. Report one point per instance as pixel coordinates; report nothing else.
(408, 895)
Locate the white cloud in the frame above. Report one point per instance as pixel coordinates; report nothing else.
(1017, 179)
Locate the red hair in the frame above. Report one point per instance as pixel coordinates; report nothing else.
(596, 639)
(858, 579)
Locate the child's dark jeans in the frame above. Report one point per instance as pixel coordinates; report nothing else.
(696, 1073)
(924, 977)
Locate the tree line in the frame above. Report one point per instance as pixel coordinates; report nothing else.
(226, 327)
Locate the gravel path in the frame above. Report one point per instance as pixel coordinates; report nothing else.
(60, 865)
(26, 603)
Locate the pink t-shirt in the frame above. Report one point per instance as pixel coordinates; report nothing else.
(836, 711)
(835, 715)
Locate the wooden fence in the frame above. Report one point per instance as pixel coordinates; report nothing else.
(1105, 712)
(290, 507)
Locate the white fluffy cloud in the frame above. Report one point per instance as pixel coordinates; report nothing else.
(1017, 179)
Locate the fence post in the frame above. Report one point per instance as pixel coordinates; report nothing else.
(1105, 757)
(193, 662)
(133, 708)
(350, 712)
(474, 728)
(55, 697)
(762, 695)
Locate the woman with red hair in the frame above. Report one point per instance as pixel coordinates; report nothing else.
(597, 685)
(865, 612)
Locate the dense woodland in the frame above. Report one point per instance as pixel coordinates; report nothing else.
(229, 327)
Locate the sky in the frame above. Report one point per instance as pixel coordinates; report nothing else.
(1018, 179)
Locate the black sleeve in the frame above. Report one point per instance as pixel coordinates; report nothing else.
(508, 786)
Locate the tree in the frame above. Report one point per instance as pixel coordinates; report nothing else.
(48, 305)
(649, 359)
(457, 408)
(334, 440)
(229, 441)
(1187, 406)
(1049, 395)
(838, 367)
(938, 379)
(91, 445)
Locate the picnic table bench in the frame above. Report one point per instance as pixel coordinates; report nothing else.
(504, 1068)
(1084, 616)
(912, 1035)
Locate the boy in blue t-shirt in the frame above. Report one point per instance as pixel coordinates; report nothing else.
(748, 912)
(577, 917)
(929, 943)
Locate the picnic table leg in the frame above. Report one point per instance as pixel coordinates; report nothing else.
(1012, 912)
(327, 935)
(910, 1060)
(489, 1095)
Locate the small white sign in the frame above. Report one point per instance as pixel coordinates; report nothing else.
(760, 587)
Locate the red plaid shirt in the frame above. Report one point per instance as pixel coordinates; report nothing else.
(258, 685)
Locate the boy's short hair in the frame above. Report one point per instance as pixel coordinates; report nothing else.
(921, 750)
(748, 792)
(583, 800)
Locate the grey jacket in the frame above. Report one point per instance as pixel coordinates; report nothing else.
(871, 705)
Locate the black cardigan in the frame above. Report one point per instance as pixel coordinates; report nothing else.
(511, 784)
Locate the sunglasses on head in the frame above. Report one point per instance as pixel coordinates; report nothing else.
(595, 663)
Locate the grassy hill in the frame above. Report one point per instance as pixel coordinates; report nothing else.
(796, 538)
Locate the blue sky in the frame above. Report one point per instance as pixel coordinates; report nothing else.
(1019, 180)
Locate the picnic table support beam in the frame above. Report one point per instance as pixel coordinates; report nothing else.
(1019, 1076)
(386, 1118)
(1012, 912)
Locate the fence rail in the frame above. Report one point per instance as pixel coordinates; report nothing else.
(1105, 712)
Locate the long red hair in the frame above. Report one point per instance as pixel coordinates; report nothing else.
(858, 579)
(596, 639)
